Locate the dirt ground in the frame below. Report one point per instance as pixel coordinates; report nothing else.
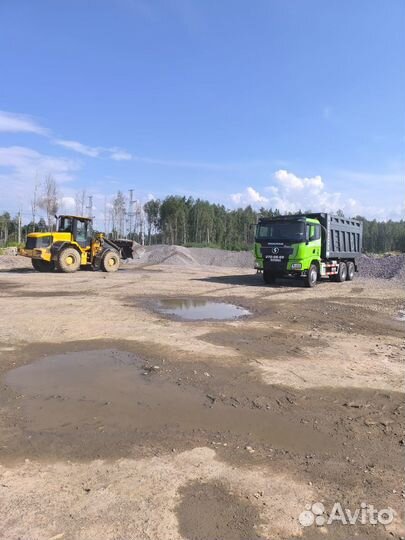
(121, 422)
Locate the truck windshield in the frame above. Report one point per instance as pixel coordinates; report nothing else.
(294, 231)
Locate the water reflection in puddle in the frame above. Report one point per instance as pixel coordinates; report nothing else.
(201, 309)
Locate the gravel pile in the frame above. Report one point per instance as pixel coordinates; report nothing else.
(161, 254)
(221, 257)
(370, 267)
(182, 256)
(382, 267)
(10, 262)
(9, 251)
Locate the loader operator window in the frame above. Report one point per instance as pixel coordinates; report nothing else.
(65, 225)
(81, 233)
(291, 231)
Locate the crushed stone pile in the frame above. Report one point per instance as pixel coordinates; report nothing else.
(9, 251)
(221, 257)
(370, 266)
(382, 267)
(162, 254)
(182, 256)
(11, 262)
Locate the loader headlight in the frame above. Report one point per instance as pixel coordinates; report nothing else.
(296, 266)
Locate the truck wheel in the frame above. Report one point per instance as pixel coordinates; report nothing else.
(350, 271)
(268, 277)
(110, 261)
(342, 272)
(43, 266)
(69, 260)
(312, 277)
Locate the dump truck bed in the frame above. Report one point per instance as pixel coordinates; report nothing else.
(342, 238)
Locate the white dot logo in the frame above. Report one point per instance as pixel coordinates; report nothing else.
(312, 514)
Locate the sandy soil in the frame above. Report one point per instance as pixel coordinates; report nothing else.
(119, 422)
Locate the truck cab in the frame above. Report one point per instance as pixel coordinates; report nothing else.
(289, 244)
(307, 246)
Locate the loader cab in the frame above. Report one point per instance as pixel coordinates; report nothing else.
(79, 227)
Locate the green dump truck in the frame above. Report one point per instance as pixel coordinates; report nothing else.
(310, 247)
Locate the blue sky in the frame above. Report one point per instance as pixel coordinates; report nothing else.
(288, 103)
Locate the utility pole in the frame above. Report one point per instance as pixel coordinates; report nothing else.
(130, 211)
(34, 204)
(19, 226)
(142, 226)
(89, 208)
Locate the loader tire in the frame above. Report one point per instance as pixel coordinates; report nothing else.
(69, 260)
(110, 261)
(43, 266)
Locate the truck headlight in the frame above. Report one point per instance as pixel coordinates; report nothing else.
(296, 266)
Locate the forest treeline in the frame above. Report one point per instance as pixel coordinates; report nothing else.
(188, 221)
(196, 222)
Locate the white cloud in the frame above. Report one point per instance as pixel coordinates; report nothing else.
(20, 123)
(249, 197)
(293, 193)
(22, 167)
(76, 146)
(236, 198)
(68, 204)
(117, 154)
(23, 161)
(290, 180)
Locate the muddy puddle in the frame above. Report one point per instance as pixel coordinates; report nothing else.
(103, 403)
(200, 309)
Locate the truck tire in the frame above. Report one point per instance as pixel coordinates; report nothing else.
(350, 271)
(43, 266)
(312, 276)
(69, 260)
(269, 277)
(342, 272)
(110, 261)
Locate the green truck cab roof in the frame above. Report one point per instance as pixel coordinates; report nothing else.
(302, 218)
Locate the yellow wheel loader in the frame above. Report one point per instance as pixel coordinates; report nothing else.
(73, 245)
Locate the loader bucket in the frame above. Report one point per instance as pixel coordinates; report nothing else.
(126, 248)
